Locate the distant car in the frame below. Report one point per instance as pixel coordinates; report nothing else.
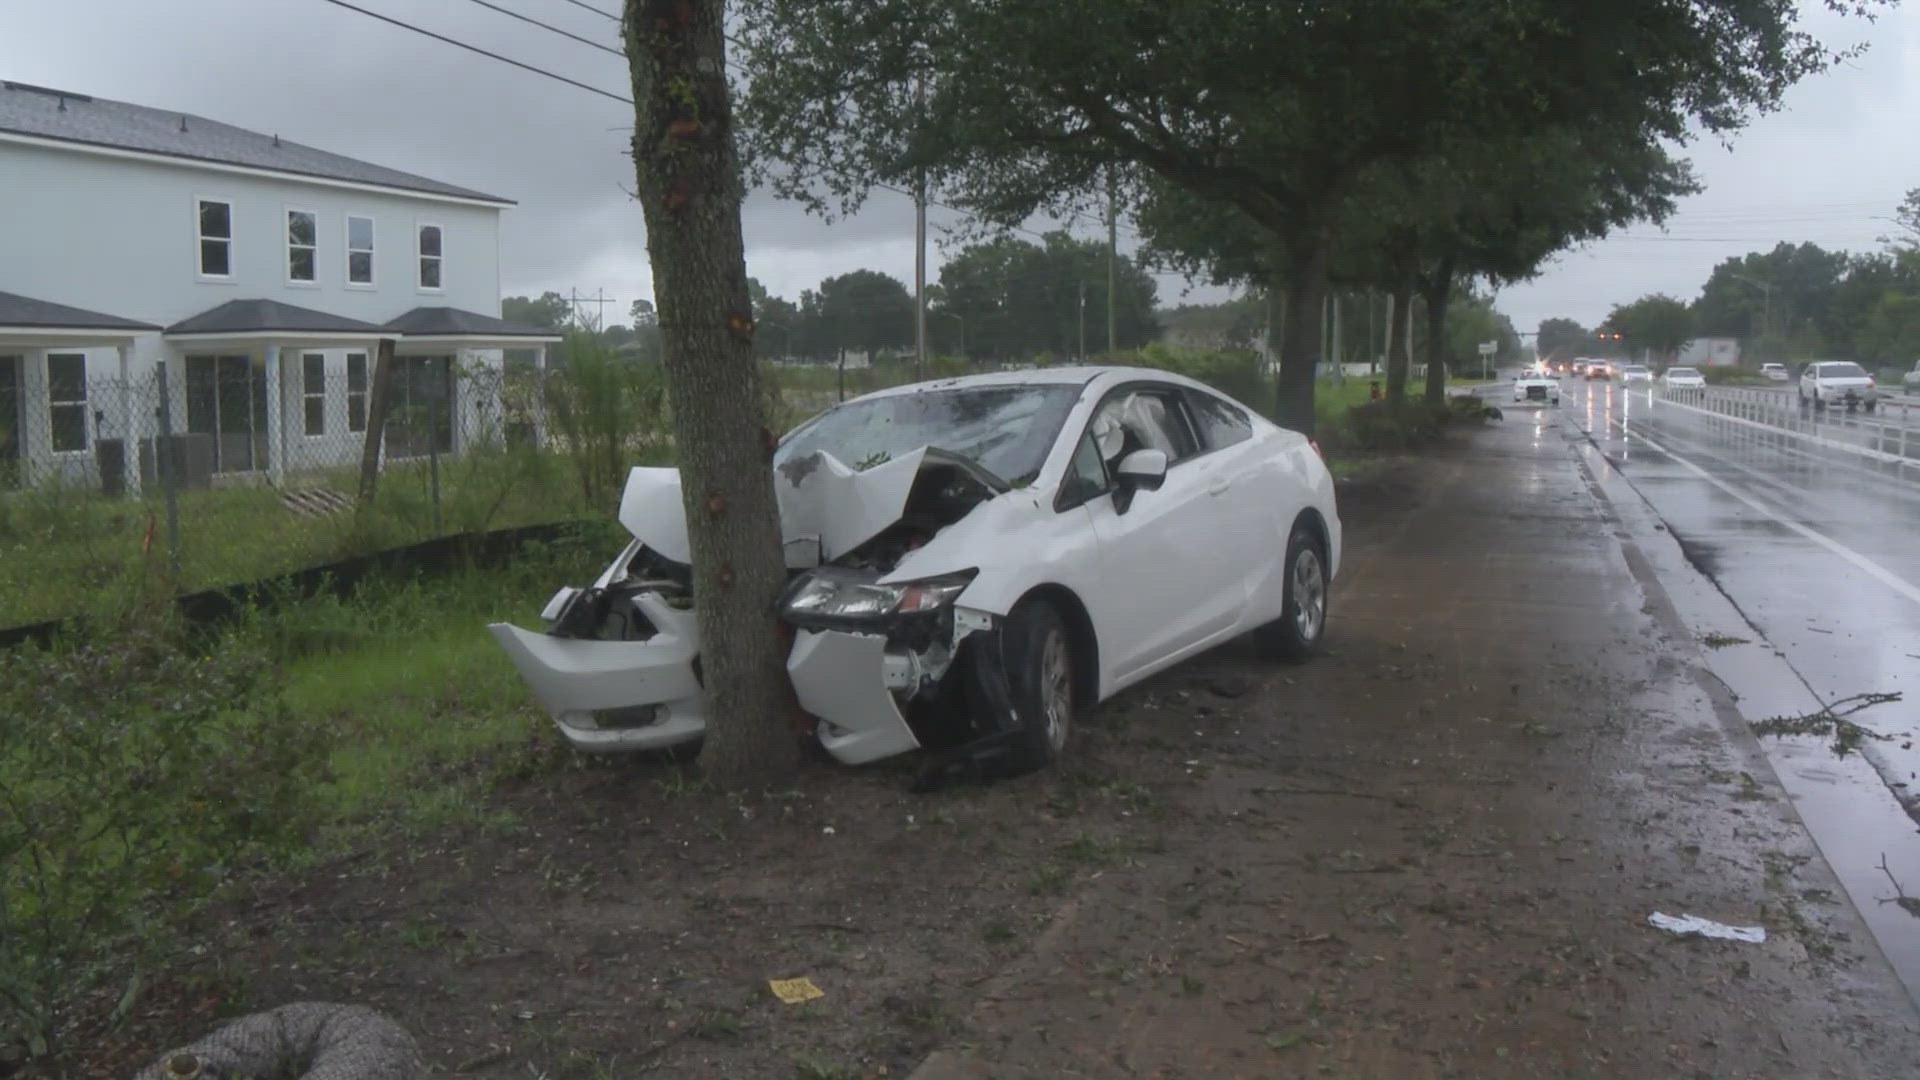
(1837, 382)
(1683, 378)
(1537, 386)
(1776, 372)
(1596, 369)
(1630, 373)
(1911, 380)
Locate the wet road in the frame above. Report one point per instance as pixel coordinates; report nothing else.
(1818, 549)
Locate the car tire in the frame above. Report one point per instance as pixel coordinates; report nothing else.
(1869, 405)
(1038, 654)
(1296, 635)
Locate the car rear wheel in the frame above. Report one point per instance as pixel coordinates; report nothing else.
(1039, 658)
(1296, 634)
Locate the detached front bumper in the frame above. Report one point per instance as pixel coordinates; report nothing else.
(615, 696)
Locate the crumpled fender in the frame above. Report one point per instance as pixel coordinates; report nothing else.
(822, 500)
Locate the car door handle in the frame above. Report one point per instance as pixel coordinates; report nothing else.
(1219, 485)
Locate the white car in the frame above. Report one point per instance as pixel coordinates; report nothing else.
(1683, 378)
(1635, 373)
(1911, 380)
(1775, 372)
(1536, 386)
(1837, 382)
(971, 561)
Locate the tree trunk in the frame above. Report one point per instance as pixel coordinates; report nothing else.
(379, 403)
(1437, 293)
(689, 184)
(1306, 288)
(1399, 341)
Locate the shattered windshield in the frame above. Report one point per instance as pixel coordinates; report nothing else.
(1007, 430)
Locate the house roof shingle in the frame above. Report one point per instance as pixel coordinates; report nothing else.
(78, 118)
(268, 316)
(453, 322)
(17, 311)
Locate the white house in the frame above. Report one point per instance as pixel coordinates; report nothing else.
(256, 275)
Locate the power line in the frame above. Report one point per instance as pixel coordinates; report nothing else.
(546, 26)
(595, 10)
(483, 52)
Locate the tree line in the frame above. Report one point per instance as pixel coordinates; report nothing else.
(1795, 302)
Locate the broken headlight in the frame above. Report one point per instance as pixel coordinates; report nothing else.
(835, 594)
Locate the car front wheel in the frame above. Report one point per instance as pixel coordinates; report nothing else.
(1296, 634)
(1039, 659)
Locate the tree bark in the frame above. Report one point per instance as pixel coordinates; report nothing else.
(1399, 341)
(1437, 292)
(1306, 290)
(689, 185)
(379, 400)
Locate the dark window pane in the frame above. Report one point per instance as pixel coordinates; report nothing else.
(213, 258)
(300, 264)
(1087, 475)
(356, 412)
(356, 372)
(360, 267)
(300, 228)
(216, 219)
(429, 273)
(67, 377)
(69, 427)
(1221, 424)
(314, 373)
(316, 414)
(360, 233)
(430, 240)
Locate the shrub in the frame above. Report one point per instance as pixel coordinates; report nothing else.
(1732, 376)
(137, 772)
(1381, 425)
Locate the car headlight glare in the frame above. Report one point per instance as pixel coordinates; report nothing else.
(840, 596)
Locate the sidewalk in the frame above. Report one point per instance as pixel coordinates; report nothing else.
(1433, 852)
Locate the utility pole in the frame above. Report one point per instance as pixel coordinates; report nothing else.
(1083, 320)
(600, 301)
(920, 245)
(1113, 262)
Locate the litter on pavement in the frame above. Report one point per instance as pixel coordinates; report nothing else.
(1694, 924)
(795, 991)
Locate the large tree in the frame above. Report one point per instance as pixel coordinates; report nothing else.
(1277, 109)
(1010, 297)
(689, 186)
(1562, 339)
(1656, 323)
(549, 310)
(865, 311)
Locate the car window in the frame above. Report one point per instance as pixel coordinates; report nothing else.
(1139, 418)
(1221, 424)
(1007, 429)
(1842, 371)
(1086, 474)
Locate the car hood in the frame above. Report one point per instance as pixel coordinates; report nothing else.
(827, 508)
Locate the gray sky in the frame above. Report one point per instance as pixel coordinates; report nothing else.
(1842, 154)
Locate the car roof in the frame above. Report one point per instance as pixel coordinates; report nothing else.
(1071, 375)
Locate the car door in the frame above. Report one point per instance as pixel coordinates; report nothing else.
(1241, 481)
(1165, 592)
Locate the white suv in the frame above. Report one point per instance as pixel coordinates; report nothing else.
(1775, 372)
(1837, 382)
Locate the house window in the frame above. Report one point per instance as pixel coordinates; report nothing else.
(301, 226)
(356, 391)
(359, 250)
(430, 256)
(216, 238)
(313, 391)
(67, 400)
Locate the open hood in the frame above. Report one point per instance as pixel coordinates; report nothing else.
(826, 508)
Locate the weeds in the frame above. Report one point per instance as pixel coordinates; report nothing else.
(1722, 641)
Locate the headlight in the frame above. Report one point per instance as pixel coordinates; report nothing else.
(834, 594)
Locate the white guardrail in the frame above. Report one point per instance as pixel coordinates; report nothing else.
(1890, 435)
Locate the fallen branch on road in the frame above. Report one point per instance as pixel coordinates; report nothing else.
(1831, 721)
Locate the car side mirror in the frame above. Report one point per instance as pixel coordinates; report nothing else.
(1143, 470)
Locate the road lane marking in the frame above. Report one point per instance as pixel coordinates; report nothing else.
(1860, 562)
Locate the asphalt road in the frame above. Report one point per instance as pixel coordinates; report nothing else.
(1819, 552)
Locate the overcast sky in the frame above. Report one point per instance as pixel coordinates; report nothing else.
(1826, 169)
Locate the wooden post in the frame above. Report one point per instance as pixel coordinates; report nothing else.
(379, 397)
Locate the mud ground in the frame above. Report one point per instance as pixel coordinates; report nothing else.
(1430, 853)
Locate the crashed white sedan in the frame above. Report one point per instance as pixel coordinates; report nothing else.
(971, 561)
